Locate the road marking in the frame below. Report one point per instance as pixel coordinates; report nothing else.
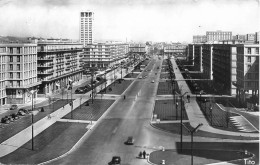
(114, 131)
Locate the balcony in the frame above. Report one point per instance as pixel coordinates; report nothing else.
(45, 66)
(45, 58)
(44, 73)
(63, 50)
(10, 86)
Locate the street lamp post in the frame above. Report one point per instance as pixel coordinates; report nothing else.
(71, 102)
(32, 93)
(181, 116)
(211, 115)
(176, 110)
(191, 133)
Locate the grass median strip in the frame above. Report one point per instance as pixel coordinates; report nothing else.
(51, 143)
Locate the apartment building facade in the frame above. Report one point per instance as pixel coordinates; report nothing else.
(224, 68)
(105, 55)
(218, 35)
(198, 57)
(247, 71)
(178, 50)
(58, 63)
(86, 26)
(18, 72)
(207, 63)
(190, 54)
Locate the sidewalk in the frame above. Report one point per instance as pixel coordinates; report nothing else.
(194, 113)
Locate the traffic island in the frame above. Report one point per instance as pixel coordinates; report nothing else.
(117, 87)
(200, 156)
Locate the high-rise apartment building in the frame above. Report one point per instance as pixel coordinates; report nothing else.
(104, 55)
(190, 55)
(207, 50)
(247, 71)
(218, 35)
(224, 68)
(86, 26)
(58, 62)
(18, 72)
(198, 57)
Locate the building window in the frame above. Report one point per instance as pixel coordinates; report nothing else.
(18, 75)
(257, 50)
(248, 50)
(248, 67)
(11, 66)
(249, 59)
(11, 75)
(18, 59)
(11, 58)
(18, 66)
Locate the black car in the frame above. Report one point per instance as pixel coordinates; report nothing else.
(79, 90)
(13, 107)
(130, 140)
(116, 160)
(15, 116)
(5, 120)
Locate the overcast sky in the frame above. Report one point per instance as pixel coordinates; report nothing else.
(137, 20)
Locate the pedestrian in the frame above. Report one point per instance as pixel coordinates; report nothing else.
(124, 97)
(90, 95)
(144, 154)
(140, 154)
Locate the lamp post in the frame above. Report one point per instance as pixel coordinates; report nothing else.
(191, 133)
(210, 115)
(71, 103)
(176, 110)
(181, 117)
(32, 93)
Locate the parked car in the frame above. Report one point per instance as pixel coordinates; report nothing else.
(5, 120)
(152, 81)
(24, 110)
(13, 107)
(80, 90)
(116, 160)
(10, 118)
(21, 113)
(130, 140)
(15, 116)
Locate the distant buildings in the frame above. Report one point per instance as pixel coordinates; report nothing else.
(18, 72)
(177, 50)
(86, 26)
(218, 35)
(199, 39)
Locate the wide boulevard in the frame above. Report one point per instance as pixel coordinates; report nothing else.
(129, 117)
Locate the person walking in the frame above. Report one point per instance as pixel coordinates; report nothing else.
(140, 154)
(144, 154)
(124, 97)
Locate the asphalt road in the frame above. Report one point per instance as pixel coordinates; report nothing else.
(129, 117)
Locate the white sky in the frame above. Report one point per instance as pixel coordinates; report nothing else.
(137, 20)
